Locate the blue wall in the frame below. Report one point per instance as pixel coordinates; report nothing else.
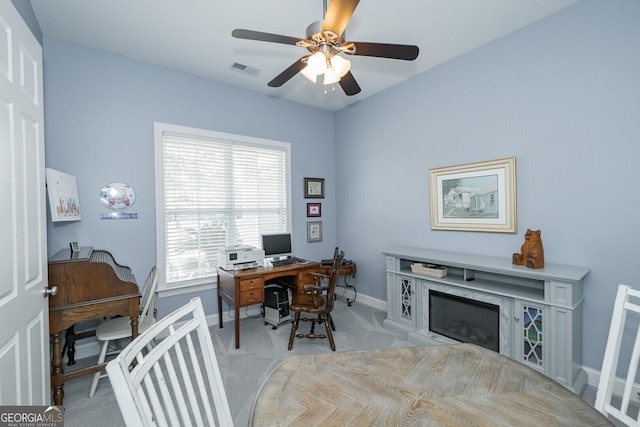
(99, 114)
(561, 95)
(26, 11)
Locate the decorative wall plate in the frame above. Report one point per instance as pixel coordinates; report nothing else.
(117, 196)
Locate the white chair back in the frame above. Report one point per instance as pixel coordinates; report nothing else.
(148, 299)
(176, 376)
(612, 404)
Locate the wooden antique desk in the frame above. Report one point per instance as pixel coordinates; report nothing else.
(246, 287)
(442, 385)
(91, 285)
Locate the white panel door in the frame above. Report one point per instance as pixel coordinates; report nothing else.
(24, 316)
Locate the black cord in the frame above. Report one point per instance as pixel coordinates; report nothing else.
(247, 316)
(346, 285)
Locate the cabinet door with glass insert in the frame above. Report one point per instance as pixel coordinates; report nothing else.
(531, 342)
(406, 289)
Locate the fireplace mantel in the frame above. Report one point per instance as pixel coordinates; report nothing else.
(540, 309)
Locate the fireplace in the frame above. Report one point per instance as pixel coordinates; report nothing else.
(539, 313)
(464, 319)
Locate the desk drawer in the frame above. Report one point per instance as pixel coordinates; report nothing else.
(251, 291)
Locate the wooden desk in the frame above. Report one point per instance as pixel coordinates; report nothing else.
(91, 285)
(246, 287)
(444, 385)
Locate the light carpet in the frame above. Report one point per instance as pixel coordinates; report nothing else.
(243, 370)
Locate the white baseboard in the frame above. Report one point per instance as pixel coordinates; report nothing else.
(372, 302)
(618, 385)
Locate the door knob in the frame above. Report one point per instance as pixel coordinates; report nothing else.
(52, 291)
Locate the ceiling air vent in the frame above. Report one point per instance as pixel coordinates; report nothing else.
(246, 69)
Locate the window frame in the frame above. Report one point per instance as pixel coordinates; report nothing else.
(160, 129)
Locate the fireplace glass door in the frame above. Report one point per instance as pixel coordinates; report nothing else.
(464, 319)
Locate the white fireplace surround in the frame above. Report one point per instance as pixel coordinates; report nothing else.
(550, 341)
(504, 310)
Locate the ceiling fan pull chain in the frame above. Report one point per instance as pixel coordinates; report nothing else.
(333, 88)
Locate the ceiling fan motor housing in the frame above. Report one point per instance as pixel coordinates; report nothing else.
(327, 42)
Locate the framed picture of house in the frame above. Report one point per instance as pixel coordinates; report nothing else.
(474, 196)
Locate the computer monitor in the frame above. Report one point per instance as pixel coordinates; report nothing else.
(276, 245)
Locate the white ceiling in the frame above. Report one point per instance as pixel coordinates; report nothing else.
(195, 36)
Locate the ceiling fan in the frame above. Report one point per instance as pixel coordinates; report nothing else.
(325, 41)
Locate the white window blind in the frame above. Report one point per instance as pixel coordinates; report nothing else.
(216, 190)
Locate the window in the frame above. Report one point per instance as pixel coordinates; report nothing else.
(214, 190)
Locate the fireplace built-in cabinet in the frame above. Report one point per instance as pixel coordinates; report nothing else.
(531, 315)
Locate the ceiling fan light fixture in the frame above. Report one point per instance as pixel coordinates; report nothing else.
(309, 74)
(340, 65)
(331, 77)
(317, 63)
(327, 39)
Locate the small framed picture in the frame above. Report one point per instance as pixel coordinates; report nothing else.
(314, 209)
(314, 231)
(74, 247)
(314, 188)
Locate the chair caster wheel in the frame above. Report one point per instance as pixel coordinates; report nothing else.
(274, 328)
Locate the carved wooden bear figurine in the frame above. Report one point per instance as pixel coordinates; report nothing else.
(532, 254)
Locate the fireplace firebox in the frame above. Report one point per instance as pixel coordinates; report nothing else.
(464, 319)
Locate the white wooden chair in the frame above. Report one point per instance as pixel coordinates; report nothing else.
(627, 304)
(174, 382)
(118, 328)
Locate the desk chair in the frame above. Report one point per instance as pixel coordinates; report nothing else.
(626, 306)
(118, 328)
(176, 377)
(317, 300)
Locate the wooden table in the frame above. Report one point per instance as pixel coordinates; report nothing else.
(246, 287)
(445, 385)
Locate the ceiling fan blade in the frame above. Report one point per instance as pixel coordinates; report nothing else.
(287, 74)
(338, 15)
(349, 84)
(383, 50)
(263, 37)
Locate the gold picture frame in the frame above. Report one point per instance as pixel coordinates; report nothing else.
(474, 197)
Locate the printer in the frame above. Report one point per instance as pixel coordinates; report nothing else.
(240, 257)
